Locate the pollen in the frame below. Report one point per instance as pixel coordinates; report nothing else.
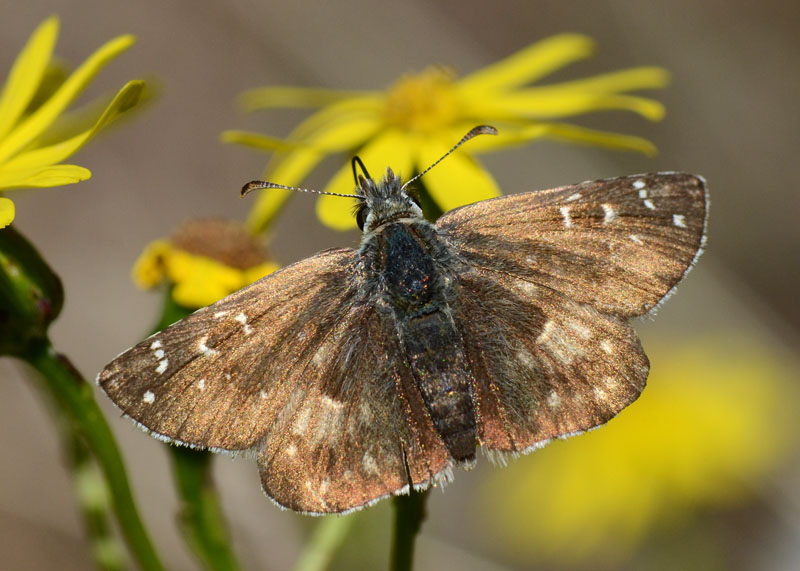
(423, 102)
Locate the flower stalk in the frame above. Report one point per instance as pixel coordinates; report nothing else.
(409, 514)
(75, 399)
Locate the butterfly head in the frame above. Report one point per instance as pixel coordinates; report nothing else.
(384, 201)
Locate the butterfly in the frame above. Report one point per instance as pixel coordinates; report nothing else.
(354, 375)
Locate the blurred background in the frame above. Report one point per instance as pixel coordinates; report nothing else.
(700, 473)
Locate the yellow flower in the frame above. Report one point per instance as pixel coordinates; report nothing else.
(204, 261)
(417, 119)
(714, 420)
(29, 115)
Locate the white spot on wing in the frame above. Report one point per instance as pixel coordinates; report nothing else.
(201, 384)
(679, 220)
(638, 184)
(148, 397)
(609, 213)
(205, 349)
(321, 355)
(219, 314)
(331, 403)
(524, 357)
(649, 204)
(241, 318)
(155, 344)
(159, 353)
(369, 464)
(553, 400)
(636, 239)
(162, 366)
(607, 347)
(301, 423)
(565, 213)
(572, 197)
(559, 343)
(642, 194)
(291, 450)
(580, 329)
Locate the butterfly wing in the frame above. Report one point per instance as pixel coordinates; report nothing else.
(543, 365)
(296, 368)
(620, 244)
(553, 354)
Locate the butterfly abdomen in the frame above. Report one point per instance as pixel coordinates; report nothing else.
(434, 352)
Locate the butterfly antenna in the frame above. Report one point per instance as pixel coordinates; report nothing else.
(357, 160)
(480, 130)
(259, 184)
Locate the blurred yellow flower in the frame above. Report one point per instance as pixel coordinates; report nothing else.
(204, 261)
(417, 119)
(714, 420)
(29, 157)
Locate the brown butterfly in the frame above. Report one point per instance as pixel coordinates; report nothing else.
(353, 375)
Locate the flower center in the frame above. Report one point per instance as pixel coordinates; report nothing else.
(422, 102)
(225, 241)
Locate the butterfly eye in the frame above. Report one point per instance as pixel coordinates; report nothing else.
(361, 216)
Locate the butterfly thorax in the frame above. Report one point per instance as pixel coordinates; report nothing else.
(417, 281)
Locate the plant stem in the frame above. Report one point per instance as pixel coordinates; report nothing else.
(74, 397)
(409, 514)
(200, 515)
(325, 541)
(201, 521)
(94, 501)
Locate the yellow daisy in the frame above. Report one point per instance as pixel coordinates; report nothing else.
(417, 119)
(715, 419)
(204, 261)
(30, 109)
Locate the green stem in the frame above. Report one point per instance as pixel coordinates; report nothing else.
(409, 513)
(200, 516)
(325, 541)
(201, 520)
(93, 498)
(74, 397)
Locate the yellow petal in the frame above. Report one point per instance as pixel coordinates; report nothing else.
(27, 73)
(573, 134)
(295, 97)
(654, 471)
(546, 104)
(200, 281)
(458, 180)
(291, 168)
(148, 270)
(39, 120)
(529, 64)
(258, 141)
(390, 149)
(349, 110)
(127, 97)
(257, 272)
(57, 175)
(615, 81)
(6, 211)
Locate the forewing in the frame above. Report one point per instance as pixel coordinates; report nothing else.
(300, 368)
(204, 380)
(544, 365)
(620, 244)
